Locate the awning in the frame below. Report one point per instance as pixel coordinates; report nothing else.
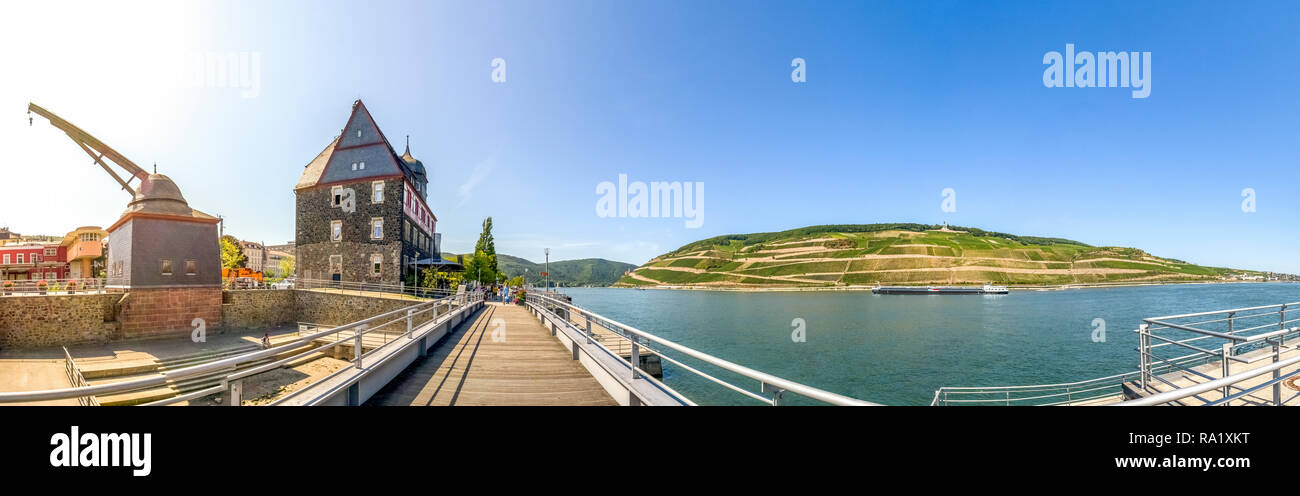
(439, 265)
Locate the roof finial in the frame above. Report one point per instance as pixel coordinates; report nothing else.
(408, 144)
(155, 167)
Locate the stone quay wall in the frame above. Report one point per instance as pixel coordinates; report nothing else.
(55, 320)
(60, 320)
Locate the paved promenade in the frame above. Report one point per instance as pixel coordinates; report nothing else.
(502, 356)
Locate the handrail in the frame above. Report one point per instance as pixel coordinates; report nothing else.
(1235, 336)
(762, 377)
(205, 368)
(1180, 393)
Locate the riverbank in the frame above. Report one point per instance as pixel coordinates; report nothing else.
(851, 288)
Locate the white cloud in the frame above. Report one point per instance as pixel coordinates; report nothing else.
(480, 172)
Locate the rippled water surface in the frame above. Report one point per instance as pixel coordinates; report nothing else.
(898, 349)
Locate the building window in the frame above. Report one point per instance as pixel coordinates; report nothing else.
(377, 228)
(354, 166)
(358, 133)
(166, 267)
(51, 252)
(336, 230)
(36, 258)
(20, 258)
(376, 261)
(191, 267)
(363, 166)
(336, 196)
(377, 192)
(336, 264)
(5, 259)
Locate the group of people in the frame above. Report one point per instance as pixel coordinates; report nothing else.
(500, 292)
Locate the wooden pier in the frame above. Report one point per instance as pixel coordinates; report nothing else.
(502, 356)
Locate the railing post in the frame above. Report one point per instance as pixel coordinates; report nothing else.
(234, 393)
(588, 317)
(1227, 366)
(1277, 373)
(356, 345)
(636, 357)
(1143, 359)
(777, 394)
(409, 314)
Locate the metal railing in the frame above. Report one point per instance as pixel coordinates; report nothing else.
(77, 379)
(362, 288)
(1241, 336)
(228, 370)
(1180, 359)
(772, 388)
(38, 287)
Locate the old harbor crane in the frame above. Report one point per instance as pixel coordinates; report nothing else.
(93, 147)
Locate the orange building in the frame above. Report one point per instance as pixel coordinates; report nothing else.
(83, 246)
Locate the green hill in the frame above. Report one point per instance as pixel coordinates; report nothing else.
(864, 254)
(583, 272)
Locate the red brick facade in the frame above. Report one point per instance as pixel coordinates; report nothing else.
(165, 312)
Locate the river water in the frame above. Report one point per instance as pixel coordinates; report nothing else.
(898, 349)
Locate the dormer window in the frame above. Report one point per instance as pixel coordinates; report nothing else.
(354, 166)
(363, 166)
(358, 133)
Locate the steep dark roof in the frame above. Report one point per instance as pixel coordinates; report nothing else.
(360, 142)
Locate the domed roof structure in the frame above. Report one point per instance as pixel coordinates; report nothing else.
(416, 166)
(158, 194)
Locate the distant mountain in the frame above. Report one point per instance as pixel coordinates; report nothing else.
(583, 272)
(864, 254)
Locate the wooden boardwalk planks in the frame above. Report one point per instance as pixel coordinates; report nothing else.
(503, 356)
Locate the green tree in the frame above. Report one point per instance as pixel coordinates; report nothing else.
(481, 267)
(486, 244)
(287, 266)
(232, 255)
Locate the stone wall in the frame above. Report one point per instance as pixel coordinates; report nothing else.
(163, 312)
(257, 308)
(55, 320)
(37, 321)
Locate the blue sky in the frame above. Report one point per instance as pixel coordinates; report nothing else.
(902, 100)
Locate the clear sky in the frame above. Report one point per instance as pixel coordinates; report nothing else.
(901, 100)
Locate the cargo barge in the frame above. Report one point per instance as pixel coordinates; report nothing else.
(915, 290)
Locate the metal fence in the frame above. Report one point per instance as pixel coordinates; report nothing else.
(363, 288)
(229, 372)
(1204, 347)
(772, 389)
(77, 379)
(39, 287)
(1204, 358)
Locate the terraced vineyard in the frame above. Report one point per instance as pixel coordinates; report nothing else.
(901, 254)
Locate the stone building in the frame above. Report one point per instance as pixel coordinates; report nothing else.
(362, 211)
(255, 254)
(167, 256)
